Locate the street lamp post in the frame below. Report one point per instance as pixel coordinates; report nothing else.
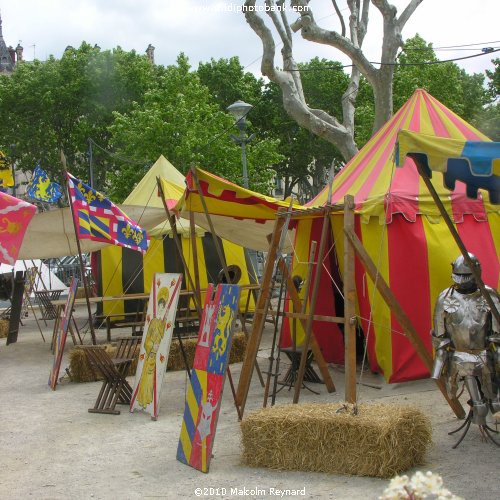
(239, 110)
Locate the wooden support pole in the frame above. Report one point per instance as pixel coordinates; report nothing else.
(179, 250)
(400, 316)
(259, 317)
(312, 305)
(192, 233)
(218, 248)
(84, 278)
(222, 260)
(318, 355)
(300, 315)
(477, 275)
(349, 305)
(310, 266)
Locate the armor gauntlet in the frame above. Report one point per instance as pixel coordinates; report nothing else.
(441, 356)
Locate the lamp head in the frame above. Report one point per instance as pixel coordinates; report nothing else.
(239, 110)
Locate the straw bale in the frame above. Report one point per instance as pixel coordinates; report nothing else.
(381, 440)
(79, 368)
(176, 361)
(80, 371)
(4, 328)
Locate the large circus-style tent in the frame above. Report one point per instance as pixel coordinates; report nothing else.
(401, 229)
(119, 270)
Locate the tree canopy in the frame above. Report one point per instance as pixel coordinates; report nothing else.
(60, 103)
(133, 111)
(180, 119)
(130, 109)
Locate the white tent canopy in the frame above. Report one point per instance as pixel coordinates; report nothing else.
(45, 278)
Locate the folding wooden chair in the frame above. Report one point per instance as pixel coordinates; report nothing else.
(115, 388)
(45, 298)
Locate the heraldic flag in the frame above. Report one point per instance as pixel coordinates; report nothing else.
(42, 189)
(15, 215)
(6, 177)
(98, 219)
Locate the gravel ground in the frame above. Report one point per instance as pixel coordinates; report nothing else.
(53, 448)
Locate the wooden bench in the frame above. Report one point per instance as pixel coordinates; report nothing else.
(121, 320)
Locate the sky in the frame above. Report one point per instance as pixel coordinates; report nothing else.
(205, 29)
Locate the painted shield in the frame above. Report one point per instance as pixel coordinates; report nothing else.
(156, 340)
(207, 377)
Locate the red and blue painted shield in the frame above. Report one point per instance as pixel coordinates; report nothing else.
(207, 377)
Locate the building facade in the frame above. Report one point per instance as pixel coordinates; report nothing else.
(9, 56)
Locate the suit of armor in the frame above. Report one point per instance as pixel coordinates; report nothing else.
(466, 339)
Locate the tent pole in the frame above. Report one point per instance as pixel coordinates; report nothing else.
(349, 304)
(218, 248)
(259, 319)
(400, 316)
(80, 258)
(179, 249)
(192, 233)
(422, 170)
(220, 254)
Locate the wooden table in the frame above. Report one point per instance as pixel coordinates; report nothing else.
(59, 304)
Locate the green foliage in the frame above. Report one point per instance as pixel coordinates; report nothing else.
(60, 103)
(228, 82)
(462, 93)
(494, 80)
(180, 120)
(487, 119)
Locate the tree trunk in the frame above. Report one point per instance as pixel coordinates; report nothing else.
(339, 131)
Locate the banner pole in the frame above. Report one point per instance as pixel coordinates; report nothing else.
(80, 258)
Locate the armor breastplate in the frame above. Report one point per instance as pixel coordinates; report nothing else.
(466, 320)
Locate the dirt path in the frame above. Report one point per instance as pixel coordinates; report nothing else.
(51, 447)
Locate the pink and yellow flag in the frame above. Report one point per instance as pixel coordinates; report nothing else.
(15, 215)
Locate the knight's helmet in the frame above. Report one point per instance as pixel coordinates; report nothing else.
(462, 273)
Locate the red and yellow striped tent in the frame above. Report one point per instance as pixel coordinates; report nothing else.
(401, 229)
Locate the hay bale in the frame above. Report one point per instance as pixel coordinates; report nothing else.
(80, 371)
(79, 368)
(4, 328)
(380, 441)
(176, 361)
